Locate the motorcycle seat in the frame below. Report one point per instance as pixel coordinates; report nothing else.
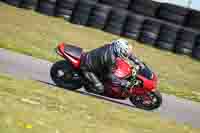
(73, 51)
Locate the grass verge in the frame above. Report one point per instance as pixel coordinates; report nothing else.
(31, 107)
(34, 34)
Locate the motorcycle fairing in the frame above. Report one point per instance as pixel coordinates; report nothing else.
(122, 69)
(72, 53)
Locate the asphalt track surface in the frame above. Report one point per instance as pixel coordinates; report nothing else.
(27, 67)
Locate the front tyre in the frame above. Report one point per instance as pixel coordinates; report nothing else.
(149, 101)
(62, 73)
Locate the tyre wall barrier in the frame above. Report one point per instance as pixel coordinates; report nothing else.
(196, 49)
(29, 4)
(82, 12)
(172, 13)
(124, 4)
(46, 7)
(165, 26)
(116, 21)
(144, 7)
(16, 3)
(167, 36)
(164, 11)
(150, 31)
(99, 16)
(133, 25)
(185, 41)
(65, 8)
(193, 20)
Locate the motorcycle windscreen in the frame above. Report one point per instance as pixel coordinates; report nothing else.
(146, 72)
(123, 69)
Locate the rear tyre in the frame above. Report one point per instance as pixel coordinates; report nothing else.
(65, 76)
(151, 101)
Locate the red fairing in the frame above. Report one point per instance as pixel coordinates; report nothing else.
(122, 69)
(149, 85)
(74, 61)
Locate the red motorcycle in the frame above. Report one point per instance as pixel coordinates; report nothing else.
(66, 74)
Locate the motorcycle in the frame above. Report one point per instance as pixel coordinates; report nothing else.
(142, 93)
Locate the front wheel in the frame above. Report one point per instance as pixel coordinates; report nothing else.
(149, 101)
(62, 73)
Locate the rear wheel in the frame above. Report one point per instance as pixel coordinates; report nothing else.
(148, 101)
(65, 76)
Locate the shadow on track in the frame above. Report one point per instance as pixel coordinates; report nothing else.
(92, 95)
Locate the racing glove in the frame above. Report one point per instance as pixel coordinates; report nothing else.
(125, 85)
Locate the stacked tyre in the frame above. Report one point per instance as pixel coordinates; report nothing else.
(186, 41)
(99, 16)
(116, 21)
(144, 7)
(117, 3)
(47, 7)
(29, 4)
(150, 31)
(173, 13)
(16, 3)
(82, 12)
(196, 49)
(133, 26)
(194, 20)
(65, 8)
(167, 36)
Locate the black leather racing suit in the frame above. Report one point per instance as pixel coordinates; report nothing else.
(98, 64)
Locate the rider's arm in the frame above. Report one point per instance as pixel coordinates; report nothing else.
(134, 59)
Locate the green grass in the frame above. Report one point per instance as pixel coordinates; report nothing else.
(31, 107)
(35, 34)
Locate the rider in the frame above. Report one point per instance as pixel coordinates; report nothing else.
(99, 63)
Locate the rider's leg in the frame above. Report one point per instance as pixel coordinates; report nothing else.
(93, 79)
(97, 86)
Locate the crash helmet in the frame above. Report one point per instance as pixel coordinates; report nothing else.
(120, 48)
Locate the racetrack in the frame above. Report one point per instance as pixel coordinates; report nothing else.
(22, 66)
